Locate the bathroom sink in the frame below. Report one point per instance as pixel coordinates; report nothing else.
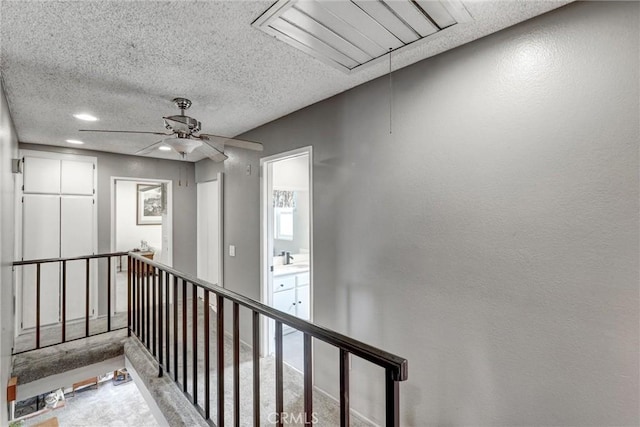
(290, 268)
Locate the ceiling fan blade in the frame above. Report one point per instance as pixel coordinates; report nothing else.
(234, 142)
(124, 131)
(212, 149)
(150, 148)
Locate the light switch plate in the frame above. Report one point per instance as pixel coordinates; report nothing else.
(232, 250)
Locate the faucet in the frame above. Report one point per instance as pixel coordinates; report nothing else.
(287, 257)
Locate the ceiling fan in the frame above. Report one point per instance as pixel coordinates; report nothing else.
(185, 136)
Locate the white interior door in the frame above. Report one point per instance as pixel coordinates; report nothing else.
(40, 240)
(76, 239)
(209, 231)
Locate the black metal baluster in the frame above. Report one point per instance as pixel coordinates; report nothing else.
(207, 359)
(152, 309)
(129, 295)
(236, 364)
(184, 336)
(167, 320)
(140, 299)
(256, 369)
(109, 293)
(147, 335)
(308, 380)
(194, 342)
(392, 399)
(160, 319)
(86, 302)
(143, 327)
(175, 328)
(220, 354)
(64, 301)
(279, 372)
(38, 305)
(344, 388)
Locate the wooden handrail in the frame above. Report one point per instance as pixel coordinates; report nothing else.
(77, 258)
(398, 365)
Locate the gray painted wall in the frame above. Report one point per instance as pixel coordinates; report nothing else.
(184, 200)
(8, 151)
(492, 239)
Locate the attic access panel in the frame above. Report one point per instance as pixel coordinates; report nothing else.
(347, 34)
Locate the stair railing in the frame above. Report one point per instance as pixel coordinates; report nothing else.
(46, 295)
(151, 288)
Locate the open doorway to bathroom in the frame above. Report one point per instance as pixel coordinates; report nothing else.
(141, 220)
(287, 245)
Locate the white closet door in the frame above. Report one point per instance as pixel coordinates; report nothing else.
(208, 231)
(76, 177)
(40, 239)
(41, 175)
(76, 239)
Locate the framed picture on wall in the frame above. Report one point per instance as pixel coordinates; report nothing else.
(149, 204)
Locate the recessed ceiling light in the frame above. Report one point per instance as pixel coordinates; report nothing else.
(74, 141)
(85, 117)
(164, 148)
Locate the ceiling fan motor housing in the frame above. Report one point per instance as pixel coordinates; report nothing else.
(182, 124)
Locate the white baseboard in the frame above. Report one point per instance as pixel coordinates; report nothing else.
(353, 411)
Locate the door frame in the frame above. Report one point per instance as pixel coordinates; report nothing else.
(168, 225)
(266, 232)
(18, 236)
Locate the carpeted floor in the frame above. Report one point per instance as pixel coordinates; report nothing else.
(108, 405)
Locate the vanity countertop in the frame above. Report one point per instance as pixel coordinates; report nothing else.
(281, 270)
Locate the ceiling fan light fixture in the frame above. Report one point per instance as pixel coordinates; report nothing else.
(86, 117)
(182, 138)
(182, 145)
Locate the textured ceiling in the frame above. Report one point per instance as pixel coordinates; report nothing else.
(124, 61)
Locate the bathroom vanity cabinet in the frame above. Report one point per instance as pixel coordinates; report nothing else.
(291, 293)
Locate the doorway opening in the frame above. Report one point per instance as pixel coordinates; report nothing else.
(287, 242)
(141, 220)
